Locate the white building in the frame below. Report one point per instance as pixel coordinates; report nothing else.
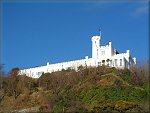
(101, 55)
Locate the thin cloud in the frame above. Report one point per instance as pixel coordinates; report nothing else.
(141, 10)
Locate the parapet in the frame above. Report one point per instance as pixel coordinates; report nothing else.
(86, 57)
(110, 43)
(103, 47)
(127, 51)
(96, 38)
(106, 46)
(121, 54)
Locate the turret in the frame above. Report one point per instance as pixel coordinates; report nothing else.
(95, 46)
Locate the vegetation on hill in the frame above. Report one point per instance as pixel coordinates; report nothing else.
(100, 89)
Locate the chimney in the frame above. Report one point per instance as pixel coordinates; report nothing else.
(134, 59)
(110, 43)
(128, 52)
(47, 63)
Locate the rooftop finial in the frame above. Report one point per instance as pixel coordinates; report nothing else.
(100, 32)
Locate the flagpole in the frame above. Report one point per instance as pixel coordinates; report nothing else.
(100, 32)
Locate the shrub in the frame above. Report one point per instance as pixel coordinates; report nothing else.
(115, 106)
(146, 86)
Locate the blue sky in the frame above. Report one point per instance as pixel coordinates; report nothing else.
(37, 33)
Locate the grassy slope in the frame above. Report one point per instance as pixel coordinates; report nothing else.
(89, 90)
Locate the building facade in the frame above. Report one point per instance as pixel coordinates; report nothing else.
(101, 55)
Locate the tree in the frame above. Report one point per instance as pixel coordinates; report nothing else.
(1, 74)
(80, 67)
(1, 69)
(14, 72)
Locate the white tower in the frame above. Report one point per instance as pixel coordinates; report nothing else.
(95, 46)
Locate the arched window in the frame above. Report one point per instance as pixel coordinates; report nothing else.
(120, 62)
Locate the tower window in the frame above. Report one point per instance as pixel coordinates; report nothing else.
(120, 62)
(103, 52)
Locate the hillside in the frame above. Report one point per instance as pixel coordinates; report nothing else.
(100, 89)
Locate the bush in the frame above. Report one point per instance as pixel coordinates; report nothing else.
(116, 106)
(146, 86)
(112, 93)
(59, 106)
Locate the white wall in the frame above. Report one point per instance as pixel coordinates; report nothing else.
(97, 58)
(33, 72)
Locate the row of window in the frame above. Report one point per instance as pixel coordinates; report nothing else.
(39, 73)
(110, 63)
(116, 62)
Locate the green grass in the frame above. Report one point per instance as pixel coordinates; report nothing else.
(112, 93)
